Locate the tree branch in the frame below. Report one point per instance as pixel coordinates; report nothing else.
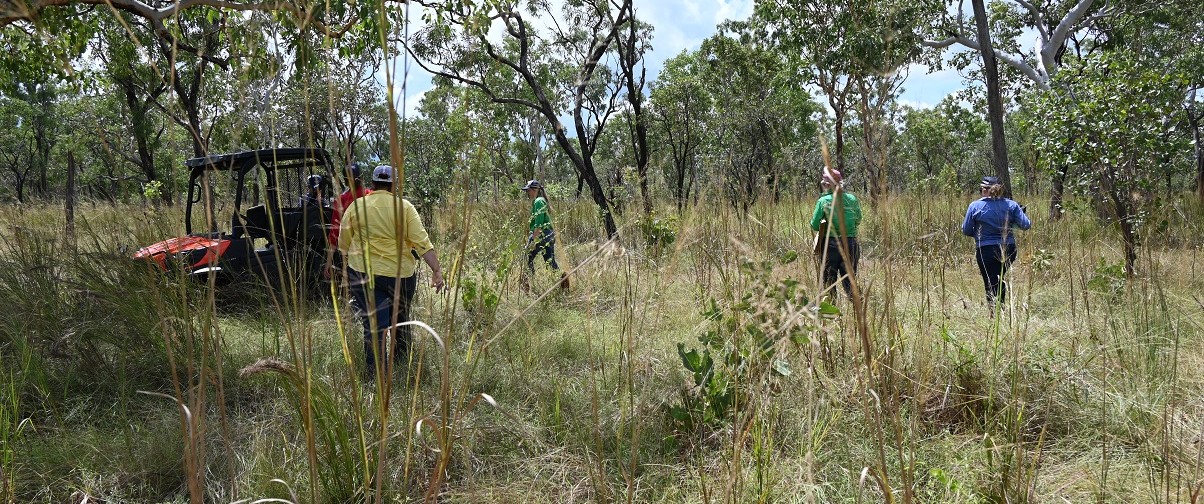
(484, 88)
(304, 19)
(1057, 39)
(1037, 76)
(1038, 19)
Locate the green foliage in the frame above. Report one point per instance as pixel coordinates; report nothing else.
(746, 350)
(153, 190)
(1115, 123)
(479, 299)
(659, 232)
(681, 109)
(1042, 260)
(1119, 128)
(1108, 280)
(761, 112)
(942, 148)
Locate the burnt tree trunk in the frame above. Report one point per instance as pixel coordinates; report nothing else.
(630, 54)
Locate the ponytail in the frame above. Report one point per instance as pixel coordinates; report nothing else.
(994, 191)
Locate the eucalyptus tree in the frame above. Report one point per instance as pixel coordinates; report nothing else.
(1059, 26)
(759, 109)
(857, 50)
(17, 144)
(1057, 23)
(528, 66)
(1168, 34)
(352, 94)
(633, 40)
(942, 141)
(1119, 126)
(134, 79)
(40, 92)
(999, 148)
(681, 110)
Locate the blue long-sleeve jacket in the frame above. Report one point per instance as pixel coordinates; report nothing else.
(988, 218)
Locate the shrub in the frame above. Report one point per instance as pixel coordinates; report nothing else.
(747, 349)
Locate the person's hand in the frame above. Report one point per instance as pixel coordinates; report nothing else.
(327, 272)
(437, 281)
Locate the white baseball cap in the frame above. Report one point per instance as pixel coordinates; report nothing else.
(382, 173)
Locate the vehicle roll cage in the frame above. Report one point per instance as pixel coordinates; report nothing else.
(242, 163)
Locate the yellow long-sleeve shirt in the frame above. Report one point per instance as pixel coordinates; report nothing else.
(369, 236)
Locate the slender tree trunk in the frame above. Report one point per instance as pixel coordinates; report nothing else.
(999, 147)
(586, 175)
(1193, 118)
(1056, 190)
(839, 117)
(44, 143)
(69, 201)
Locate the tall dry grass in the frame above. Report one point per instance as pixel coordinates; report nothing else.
(1086, 387)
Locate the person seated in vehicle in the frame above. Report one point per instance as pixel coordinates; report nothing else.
(314, 196)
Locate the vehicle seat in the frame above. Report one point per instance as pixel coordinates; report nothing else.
(257, 224)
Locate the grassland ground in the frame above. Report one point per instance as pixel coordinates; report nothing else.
(1089, 386)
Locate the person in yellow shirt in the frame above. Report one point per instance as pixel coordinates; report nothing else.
(381, 237)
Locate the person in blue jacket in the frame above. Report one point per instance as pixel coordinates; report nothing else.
(990, 220)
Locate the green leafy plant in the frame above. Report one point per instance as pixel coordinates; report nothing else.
(1108, 280)
(479, 299)
(746, 351)
(1042, 260)
(659, 232)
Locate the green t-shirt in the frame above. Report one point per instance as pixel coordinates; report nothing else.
(539, 215)
(852, 214)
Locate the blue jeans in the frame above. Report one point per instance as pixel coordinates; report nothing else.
(385, 309)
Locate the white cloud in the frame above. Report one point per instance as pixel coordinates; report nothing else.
(735, 10)
(924, 88)
(915, 104)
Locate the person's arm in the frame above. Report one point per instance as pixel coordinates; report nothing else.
(818, 215)
(1020, 218)
(968, 226)
(346, 230)
(431, 258)
(419, 240)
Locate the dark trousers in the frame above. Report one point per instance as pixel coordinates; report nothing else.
(375, 303)
(835, 265)
(993, 262)
(545, 245)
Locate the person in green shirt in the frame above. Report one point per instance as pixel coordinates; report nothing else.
(836, 263)
(541, 240)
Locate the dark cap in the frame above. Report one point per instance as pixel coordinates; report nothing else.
(532, 184)
(314, 181)
(354, 170)
(989, 181)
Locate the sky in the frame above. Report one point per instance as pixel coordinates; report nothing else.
(682, 25)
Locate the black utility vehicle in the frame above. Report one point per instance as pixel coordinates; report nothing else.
(278, 238)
